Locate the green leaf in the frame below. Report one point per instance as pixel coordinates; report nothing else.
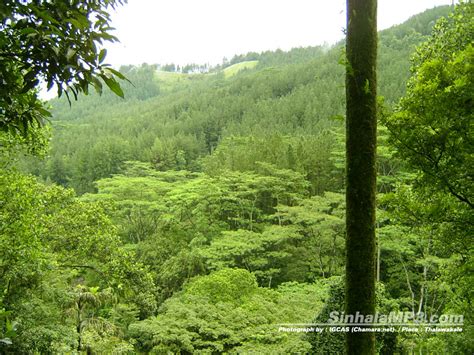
(102, 55)
(28, 30)
(113, 85)
(75, 23)
(50, 84)
(44, 15)
(44, 112)
(117, 73)
(70, 53)
(97, 84)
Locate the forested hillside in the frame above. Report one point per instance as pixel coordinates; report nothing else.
(206, 209)
(172, 119)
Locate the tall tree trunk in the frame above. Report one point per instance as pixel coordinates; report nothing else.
(361, 131)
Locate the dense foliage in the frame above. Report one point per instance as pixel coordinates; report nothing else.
(55, 42)
(204, 210)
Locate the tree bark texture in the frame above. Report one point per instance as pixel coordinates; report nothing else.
(361, 137)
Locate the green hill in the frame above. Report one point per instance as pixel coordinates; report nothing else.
(173, 120)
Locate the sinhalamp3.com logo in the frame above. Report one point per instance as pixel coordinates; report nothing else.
(380, 322)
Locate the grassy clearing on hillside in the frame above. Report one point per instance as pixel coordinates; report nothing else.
(170, 77)
(169, 80)
(234, 69)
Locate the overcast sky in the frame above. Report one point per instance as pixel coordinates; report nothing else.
(206, 31)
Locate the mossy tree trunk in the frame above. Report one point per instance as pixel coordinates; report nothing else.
(361, 130)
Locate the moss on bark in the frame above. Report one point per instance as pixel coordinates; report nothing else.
(361, 127)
